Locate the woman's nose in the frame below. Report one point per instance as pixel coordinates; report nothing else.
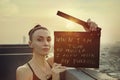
(46, 42)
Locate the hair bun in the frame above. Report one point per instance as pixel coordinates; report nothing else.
(38, 26)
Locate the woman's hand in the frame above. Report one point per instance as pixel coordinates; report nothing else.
(56, 70)
(93, 26)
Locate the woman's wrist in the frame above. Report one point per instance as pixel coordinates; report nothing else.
(55, 76)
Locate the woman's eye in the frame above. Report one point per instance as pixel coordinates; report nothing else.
(40, 39)
(49, 39)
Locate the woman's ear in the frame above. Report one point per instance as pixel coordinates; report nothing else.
(30, 44)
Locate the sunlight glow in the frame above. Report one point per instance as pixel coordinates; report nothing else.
(70, 25)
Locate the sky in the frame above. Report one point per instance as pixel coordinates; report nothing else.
(17, 17)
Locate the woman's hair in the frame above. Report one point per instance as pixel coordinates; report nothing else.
(37, 27)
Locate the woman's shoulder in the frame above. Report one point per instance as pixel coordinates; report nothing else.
(23, 72)
(22, 68)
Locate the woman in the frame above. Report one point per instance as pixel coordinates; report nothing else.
(38, 68)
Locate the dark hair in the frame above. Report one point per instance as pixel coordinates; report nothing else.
(37, 27)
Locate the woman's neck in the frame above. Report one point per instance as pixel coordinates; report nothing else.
(39, 59)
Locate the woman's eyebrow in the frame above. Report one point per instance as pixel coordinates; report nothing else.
(40, 37)
(49, 37)
(44, 37)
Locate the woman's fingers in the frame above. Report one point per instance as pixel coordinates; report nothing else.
(55, 64)
(57, 68)
(93, 25)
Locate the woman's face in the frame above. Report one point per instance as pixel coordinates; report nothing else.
(41, 42)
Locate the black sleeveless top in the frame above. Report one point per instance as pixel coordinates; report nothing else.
(34, 75)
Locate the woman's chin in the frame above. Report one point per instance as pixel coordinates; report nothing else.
(45, 53)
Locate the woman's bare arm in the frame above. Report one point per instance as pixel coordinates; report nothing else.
(23, 73)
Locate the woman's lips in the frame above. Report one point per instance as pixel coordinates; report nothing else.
(46, 49)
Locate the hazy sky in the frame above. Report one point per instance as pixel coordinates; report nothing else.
(17, 17)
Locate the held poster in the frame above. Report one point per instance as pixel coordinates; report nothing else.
(77, 49)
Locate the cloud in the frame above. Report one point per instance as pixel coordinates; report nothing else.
(8, 8)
